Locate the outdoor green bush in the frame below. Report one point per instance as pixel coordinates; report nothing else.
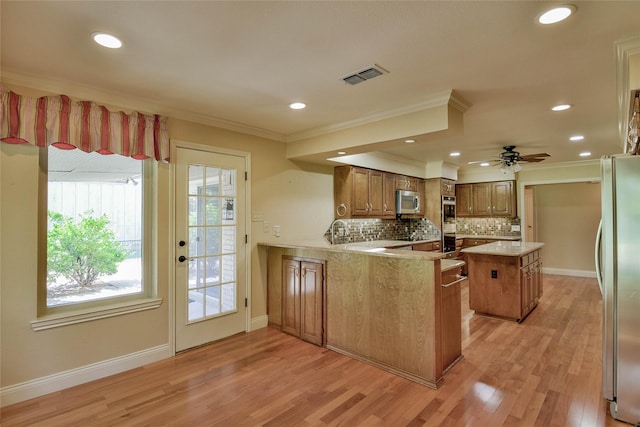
(81, 251)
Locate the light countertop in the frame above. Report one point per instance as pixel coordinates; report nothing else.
(486, 236)
(504, 248)
(376, 247)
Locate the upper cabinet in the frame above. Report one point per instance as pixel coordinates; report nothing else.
(360, 192)
(486, 199)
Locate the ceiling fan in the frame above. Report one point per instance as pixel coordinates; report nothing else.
(509, 159)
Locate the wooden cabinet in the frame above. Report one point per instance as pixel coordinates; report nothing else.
(357, 192)
(388, 195)
(427, 246)
(451, 317)
(531, 280)
(407, 183)
(464, 201)
(486, 199)
(505, 286)
(447, 187)
(365, 193)
(302, 298)
(435, 188)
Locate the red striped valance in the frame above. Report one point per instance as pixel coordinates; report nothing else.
(66, 124)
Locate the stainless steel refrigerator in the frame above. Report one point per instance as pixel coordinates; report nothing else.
(618, 271)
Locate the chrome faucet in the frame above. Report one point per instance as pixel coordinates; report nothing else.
(345, 226)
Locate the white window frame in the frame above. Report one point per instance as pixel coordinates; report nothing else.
(68, 314)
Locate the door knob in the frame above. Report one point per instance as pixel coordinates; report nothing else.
(182, 258)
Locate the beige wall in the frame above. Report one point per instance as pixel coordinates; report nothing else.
(567, 221)
(296, 196)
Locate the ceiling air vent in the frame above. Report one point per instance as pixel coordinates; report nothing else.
(366, 74)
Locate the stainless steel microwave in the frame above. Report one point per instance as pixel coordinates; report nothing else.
(407, 202)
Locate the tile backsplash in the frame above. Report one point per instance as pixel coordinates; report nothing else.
(487, 226)
(362, 230)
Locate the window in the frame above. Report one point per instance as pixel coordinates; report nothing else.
(95, 229)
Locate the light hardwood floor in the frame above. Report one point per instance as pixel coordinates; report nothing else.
(545, 371)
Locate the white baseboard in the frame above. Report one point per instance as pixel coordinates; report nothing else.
(567, 272)
(56, 382)
(259, 322)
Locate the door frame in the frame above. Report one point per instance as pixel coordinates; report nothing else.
(174, 145)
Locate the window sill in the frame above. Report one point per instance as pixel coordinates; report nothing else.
(71, 318)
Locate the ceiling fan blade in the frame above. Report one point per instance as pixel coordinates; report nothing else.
(531, 160)
(532, 156)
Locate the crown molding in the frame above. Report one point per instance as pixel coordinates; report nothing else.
(137, 103)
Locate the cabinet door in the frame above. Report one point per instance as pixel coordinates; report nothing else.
(447, 187)
(503, 198)
(291, 296)
(463, 200)
(481, 199)
(423, 200)
(451, 318)
(376, 191)
(406, 183)
(311, 286)
(360, 195)
(388, 195)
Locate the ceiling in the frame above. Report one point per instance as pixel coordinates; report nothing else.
(239, 64)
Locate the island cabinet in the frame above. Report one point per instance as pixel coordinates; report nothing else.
(505, 278)
(302, 298)
(427, 246)
(384, 307)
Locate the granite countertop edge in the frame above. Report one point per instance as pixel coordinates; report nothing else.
(503, 248)
(375, 247)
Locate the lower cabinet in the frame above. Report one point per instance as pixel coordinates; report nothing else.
(531, 280)
(428, 246)
(303, 298)
(505, 286)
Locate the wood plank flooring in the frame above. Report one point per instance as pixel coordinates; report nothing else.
(545, 371)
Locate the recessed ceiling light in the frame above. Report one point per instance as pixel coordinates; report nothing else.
(409, 141)
(556, 14)
(342, 153)
(561, 107)
(585, 154)
(455, 154)
(576, 138)
(484, 164)
(107, 40)
(297, 105)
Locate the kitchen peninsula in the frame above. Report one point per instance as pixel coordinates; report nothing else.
(505, 278)
(380, 305)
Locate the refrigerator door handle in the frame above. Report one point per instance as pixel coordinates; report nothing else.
(598, 255)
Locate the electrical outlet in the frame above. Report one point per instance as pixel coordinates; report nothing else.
(494, 274)
(515, 228)
(499, 226)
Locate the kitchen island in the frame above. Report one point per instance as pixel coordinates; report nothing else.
(380, 305)
(505, 278)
